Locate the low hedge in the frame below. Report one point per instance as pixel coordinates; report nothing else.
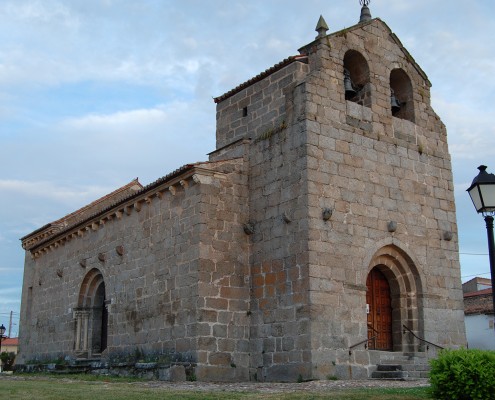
(463, 375)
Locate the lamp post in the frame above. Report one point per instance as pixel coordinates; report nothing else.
(2, 331)
(482, 192)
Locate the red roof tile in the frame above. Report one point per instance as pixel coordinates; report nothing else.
(10, 341)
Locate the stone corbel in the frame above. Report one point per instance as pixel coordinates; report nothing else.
(137, 206)
(184, 183)
(172, 190)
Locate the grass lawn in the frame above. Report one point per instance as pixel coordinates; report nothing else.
(71, 388)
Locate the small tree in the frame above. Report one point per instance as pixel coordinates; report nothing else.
(8, 359)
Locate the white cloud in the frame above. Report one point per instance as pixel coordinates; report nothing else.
(50, 191)
(45, 12)
(471, 133)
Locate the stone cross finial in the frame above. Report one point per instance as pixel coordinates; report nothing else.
(321, 28)
(365, 11)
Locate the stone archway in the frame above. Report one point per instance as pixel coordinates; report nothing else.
(91, 316)
(406, 294)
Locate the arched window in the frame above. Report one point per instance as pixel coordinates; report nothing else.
(401, 95)
(357, 78)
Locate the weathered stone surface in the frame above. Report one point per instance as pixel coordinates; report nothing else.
(286, 299)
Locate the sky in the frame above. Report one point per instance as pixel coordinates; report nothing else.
(94, 93)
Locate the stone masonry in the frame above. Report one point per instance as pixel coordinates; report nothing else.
(254, 265)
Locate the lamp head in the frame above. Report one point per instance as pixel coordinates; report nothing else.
(482, 192)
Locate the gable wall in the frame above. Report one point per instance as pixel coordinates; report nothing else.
(372, 168)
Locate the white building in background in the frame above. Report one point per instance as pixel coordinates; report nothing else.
(479, 316)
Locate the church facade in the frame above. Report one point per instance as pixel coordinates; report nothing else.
(320, 234)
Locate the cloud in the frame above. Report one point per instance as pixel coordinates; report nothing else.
(471, 132)
(49, 190)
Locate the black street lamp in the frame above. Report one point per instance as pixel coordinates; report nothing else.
(482, 192)
(2, 331)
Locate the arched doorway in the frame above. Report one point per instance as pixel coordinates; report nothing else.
(394, 298)
(91, 316)
(379, 310)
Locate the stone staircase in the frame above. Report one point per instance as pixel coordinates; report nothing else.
(401, 366)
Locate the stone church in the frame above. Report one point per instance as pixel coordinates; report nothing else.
(318, 239)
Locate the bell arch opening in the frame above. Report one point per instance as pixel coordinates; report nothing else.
(357, 78)
(405, 300)
(91, 316)
(401, 95)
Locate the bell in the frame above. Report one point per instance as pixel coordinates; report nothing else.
(394, 102)
(348, 86)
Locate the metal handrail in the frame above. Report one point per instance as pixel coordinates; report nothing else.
(420, 338)
(361, 342)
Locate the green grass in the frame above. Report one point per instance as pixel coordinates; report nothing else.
(41, 387)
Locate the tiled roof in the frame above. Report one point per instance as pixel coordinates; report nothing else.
(10, 341)
(263, 75)
(123, 200)
(91, 208)
(479, 302)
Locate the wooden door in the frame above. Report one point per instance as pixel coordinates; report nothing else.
(379, 311)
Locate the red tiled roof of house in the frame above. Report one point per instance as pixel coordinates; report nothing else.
(10, 341)
(478, 293)
(479, 302)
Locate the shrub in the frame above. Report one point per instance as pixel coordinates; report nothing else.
(463, 375)
(7, 360)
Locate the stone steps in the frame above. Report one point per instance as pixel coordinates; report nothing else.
(399, 366)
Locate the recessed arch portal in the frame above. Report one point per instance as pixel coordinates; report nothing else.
(406, 294)
(91, 316)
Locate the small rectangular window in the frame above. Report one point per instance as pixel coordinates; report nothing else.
(244, 112)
